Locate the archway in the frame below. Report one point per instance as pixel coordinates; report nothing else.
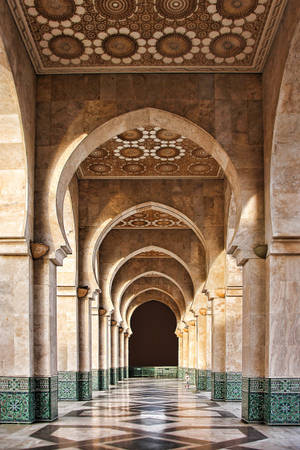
(153, 342)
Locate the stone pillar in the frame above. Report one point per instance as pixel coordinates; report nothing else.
(17, 400)
(67, 343)
(218, 349)
(85, 348)
(233, 313)
(95, 322)
(121, 354)
(45, 340)
(180, 354)
(126, 355)
(192, 351)
(104, 341)
(208, 347)
(185, 348)
(114, 371)
(202, 351)
(282, 361)
(254, 319)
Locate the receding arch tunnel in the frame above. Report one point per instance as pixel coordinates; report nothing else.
(153, 342)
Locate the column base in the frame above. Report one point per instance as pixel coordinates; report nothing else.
(100, 379)
(192, 374)
(233, 386)
(203, 380)
(126, 373)
(180, 373)
(17, 400)
(218, 386)
(46, 399)
(68, 385)
(282, 401)
(85, 386)
(114, 376)
(253, 400)
(121, 373)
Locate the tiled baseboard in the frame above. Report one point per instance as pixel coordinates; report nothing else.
(156, 372)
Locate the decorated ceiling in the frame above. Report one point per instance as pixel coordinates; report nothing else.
(151, 219)
(67, 36)
(149, 152)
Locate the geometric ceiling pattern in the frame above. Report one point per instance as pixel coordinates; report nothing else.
(65, 36)
(152, 254)
(151, 219)
(149, 152)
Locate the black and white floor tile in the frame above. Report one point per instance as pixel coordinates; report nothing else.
(149, 414)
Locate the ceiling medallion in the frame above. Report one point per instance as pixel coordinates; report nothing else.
(131, 152)
(56, 9)
(120, 46)
(115, 9)
(176, 9)
(199, 153)
(166, 135)
(131, 135)
(227, 45)
(100, 168)
(234, 9)
(173, 45)
(67, 47)
(200, 168)
(166, 168)
(134, 168)
(99, 153)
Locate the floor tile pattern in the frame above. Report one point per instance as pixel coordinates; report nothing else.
(146, 413)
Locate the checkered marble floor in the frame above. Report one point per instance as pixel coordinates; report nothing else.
(142, 414)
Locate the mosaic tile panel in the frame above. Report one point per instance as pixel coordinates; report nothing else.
(155, 372)
(100, 380)
(203, 380)
(180, 373)
(126, 372)
(218, 381)
(233, 386)
(282, 401)
(17, 403)
(121, 373)
(253, 400)
(46, 398)
(68, 385)
(85, 385)
(114, 376)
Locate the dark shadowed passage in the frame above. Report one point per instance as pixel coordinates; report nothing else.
(153, 342)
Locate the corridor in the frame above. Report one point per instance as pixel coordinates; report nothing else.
(143, 414)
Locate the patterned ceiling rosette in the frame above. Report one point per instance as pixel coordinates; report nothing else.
(99, 153)
(174, 45)
(100, 168)
(151, 219)
(166, 168)
(66, 46)
(133, 168)
(238, 11)
(115, 9)
(175, 9)
(120, 46)
(228, 45)
(56, 12)
(201, 168)
(131, 146)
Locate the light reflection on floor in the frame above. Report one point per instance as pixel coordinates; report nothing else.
(143, 414)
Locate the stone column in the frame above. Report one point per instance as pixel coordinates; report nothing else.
(104, 341)
(233, 313)
(17, 398)
(208, 347)
(180, 354)
(218, 349)
(185, 348)
(68, 343)
(192, 351)
(121, 354)
(254, 318)
(85, 347)
(45, 340)
(126, 355)
(95, 322)
(282, 361)
(114, 371)
(202, 351)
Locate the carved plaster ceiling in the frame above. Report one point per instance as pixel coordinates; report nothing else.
(152, 254)
(65, 36)
(151, 219)
(149, 152)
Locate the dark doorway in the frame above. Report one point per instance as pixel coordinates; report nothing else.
(153, 342)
